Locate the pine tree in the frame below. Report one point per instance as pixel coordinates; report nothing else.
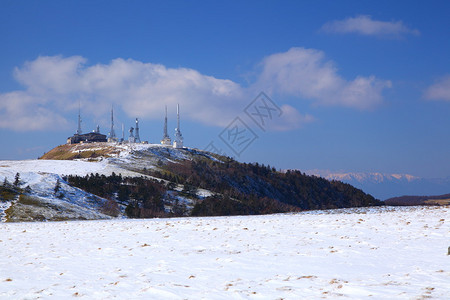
(28, 189)
(57, 186)
(17, 180)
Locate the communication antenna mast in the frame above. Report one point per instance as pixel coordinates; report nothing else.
(112, 134)
(79, 119)
(137, 139)
(166, 139)
(165, 126)
(123, 133)
(178, 143)
(131, 138)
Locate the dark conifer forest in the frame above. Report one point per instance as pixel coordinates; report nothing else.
(237, 189)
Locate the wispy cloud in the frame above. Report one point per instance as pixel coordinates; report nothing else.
(20, 111)
(305, 73)
(54, 85)
(365, 25)
(440, 90)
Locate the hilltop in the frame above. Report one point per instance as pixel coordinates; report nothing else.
(83, 151)
(104, 180)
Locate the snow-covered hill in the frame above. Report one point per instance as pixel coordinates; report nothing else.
(42, 203)
(41, 176)
(384, 186)
(364, 253)
(160, 181)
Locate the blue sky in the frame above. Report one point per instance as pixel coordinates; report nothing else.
(360, 85)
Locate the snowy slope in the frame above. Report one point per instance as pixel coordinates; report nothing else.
(8, 168)
(41, 176)
(366, 253)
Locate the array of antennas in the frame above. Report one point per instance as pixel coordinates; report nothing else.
(178, 141)
(134, 131)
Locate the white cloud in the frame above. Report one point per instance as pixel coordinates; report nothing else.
(55, 85)
(51, 74)
(440, 90)
(290, 119)
(139, 89)
(20, 111)
(306, 73)
(365, 25)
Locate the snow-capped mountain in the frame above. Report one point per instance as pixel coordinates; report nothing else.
(363, 177)
(384, 186)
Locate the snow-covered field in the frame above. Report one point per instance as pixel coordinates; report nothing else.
(373, 253)
(9, 168)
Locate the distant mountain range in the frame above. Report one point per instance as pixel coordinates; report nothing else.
(384, 186)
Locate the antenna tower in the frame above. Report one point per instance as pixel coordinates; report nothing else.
(178, 143)
(79, 119)
(123, 133)
(131, 138)
(137, 139)
(112, 134)
(165, 126)
(166, 139)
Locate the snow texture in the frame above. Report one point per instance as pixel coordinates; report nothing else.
(364, 253)
(8, 168)
(41, 176)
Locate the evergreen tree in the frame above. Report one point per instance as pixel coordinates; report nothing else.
(57, 186)
(28, 189)
(189, 189)
(17, 180)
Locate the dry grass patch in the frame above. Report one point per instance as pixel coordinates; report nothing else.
(77, 151)
(440, 202)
